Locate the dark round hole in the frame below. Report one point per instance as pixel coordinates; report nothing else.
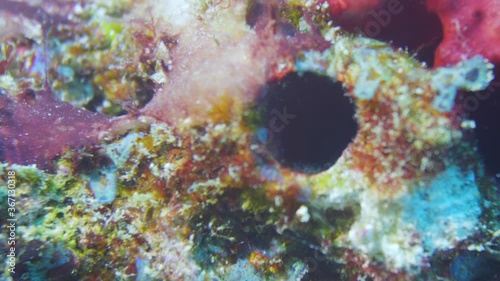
(309, 121)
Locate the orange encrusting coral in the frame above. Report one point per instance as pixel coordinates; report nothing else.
(389, 152)
(407, 127)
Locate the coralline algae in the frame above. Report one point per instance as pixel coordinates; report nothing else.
(183, 185)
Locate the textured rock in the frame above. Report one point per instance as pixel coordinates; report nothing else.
(190, 185)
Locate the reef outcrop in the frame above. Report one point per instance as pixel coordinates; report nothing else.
(178, 140)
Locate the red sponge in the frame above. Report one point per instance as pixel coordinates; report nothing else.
(470, 27)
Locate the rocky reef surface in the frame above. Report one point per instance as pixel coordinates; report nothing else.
(249, 140)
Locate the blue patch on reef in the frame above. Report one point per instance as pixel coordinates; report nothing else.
(471, 266)
(103, 183)
(142, 266)
(262, 135)
(270, 173)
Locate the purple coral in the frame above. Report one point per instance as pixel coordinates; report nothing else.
(36, 127)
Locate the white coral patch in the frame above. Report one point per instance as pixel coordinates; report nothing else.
(178, 13)
(435, 215)
(445, 210)
(472, 75)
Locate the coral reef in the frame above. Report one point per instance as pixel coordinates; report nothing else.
(179, 140)
(469, 28)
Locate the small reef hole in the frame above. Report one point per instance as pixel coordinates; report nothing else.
(308, 121)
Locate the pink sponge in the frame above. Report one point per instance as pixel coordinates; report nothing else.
(470, 27)
(338, 7)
